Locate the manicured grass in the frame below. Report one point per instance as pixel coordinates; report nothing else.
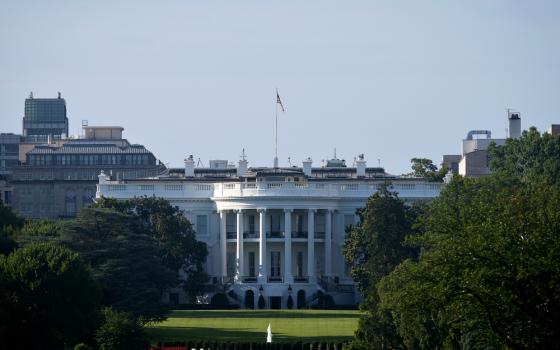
(250, 326)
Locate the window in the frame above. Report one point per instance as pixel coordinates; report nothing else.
(274, 224)
(252, 264)
(299, 223)
(275, 264)
(299, 264)
(201, 225)
(320, 223)
(231, 222)
(251, 224)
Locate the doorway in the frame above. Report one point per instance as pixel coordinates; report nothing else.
(275, 302)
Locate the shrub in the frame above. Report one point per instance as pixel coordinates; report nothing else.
(290, 302)
(219, 300)
(120, 330)
(261, 302)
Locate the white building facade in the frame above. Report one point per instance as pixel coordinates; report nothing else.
(273, 231)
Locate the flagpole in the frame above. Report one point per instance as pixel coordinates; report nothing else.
(276, 132)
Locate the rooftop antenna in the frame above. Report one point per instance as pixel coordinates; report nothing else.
(335, 153)
(198, 163)
(243, 155)
(59, 95)
(31, 94)
(379, 162)
(290, 161)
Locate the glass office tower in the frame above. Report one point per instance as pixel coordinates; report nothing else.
(44, 117)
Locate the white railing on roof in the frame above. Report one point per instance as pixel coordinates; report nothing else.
(117, 189)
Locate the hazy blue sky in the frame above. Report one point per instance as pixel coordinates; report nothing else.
(391, 79)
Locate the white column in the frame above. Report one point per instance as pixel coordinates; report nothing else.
(262, 245)
(311, 245)
(223, 242)
(239, 256)
(328, 243)
(288, 277)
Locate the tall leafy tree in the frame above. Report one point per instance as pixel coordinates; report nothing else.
(180, 250)
(373, 248)
(489, 273)
(10, 223)
(48, 298)
(425, 168)
(127, 262)
(534, 157)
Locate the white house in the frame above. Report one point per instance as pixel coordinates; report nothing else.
(272, 231)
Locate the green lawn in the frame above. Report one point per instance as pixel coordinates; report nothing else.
(250, 326)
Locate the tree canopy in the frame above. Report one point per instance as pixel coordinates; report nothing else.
(425, 168)
(10, 223)
(178, 246)
(534, 157)
(373, 248)
(487, 275)
(48, 298)
(126, 262)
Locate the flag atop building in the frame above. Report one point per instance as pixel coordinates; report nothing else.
(279, 101)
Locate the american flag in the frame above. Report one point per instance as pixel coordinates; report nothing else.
(279, 101)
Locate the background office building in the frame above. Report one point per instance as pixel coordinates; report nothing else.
(47, 174)
(44, 117)
(57, 180)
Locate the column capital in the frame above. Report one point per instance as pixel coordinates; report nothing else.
(238, 211)
(261, 210)
(288, 210)
(312, 210)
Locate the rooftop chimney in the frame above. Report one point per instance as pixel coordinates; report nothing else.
(307, 166)
(514, 125)
(361, 166)
(189, 166)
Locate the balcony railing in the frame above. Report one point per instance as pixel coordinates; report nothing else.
(251, 234)
(301, 279)
(319, 234)
(249, 279)
(299, 234)
(275, 234)
(275, 279)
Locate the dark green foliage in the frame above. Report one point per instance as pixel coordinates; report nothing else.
(301, 299)
(178, 246)
(219, 300)
(373, 248)
(83, 346)
(120, 331)
(425, 168)
(489, 274)
(10, 223)
(125, 261)
(261, 303)
(290, 302)
(325, 301)
(531, 158)
(48, 298)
